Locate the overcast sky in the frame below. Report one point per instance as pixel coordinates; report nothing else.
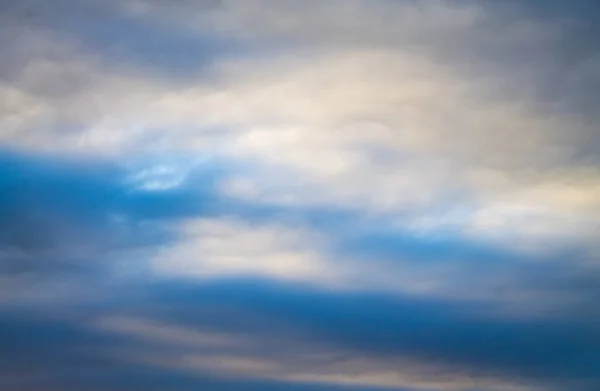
(299, 195)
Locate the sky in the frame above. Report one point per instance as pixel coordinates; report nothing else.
(299, 195)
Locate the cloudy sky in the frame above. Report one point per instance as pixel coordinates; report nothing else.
(299, 195)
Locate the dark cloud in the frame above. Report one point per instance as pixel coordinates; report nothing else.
(456, 335)
(121, 39)
(53, 354)
(52, 203)
(561, 63)
(62, 352)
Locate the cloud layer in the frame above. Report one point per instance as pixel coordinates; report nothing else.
(299, 195)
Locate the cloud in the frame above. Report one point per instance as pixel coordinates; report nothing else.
(49, 201)
(307, 109)
(299, 195)
(67, 222)
(213, 248)
(420, 303)
(62, 355)
(416, 129)
(436, 332)
(260, 333)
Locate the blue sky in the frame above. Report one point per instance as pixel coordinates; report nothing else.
(342, 195)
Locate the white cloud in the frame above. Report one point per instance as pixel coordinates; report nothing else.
(357, 112)
(234, 248)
